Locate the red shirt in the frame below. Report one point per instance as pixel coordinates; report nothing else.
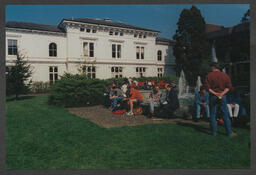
(217, 81)
(136, 95)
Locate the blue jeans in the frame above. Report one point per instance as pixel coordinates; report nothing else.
(152, 104)
(115, 100)
(214, 103)
(198, 108)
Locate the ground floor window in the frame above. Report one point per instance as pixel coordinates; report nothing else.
(117, 72)
(141, 71)
(53, 74)
(90, 71)
(159, 72)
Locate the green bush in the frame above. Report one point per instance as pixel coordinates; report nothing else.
(77, 90)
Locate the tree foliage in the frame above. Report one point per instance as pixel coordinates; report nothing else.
(246, 18)
(192, 50)
(17, 77)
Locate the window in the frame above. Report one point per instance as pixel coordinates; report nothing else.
(135, 35)
(140, 71)
(144, 36)
(121, 33)
(116, 51)
(110, 32)
(94, 31)
(88, 49)
(53, 74)
(12, 47)
(139, 52)
(52, 50)
(159, 72)
(90, 71)
(116, 33)
(88, 30)
(81, 29)
(140, 36)
(159, 55)
(116, 72)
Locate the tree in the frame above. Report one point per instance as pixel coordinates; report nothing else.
(246, 17)
(191, 50)
(17, 77)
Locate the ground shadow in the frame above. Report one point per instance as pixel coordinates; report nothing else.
(19, 98)
(198, 128)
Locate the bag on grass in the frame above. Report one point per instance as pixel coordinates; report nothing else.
(121, 111)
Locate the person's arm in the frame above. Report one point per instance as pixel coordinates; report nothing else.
(223, 92)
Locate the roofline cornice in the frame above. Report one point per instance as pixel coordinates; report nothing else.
(109, 27)
(35, 31)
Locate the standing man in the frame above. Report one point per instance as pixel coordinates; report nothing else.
(218, 84)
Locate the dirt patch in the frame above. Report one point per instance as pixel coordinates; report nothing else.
(105, 118)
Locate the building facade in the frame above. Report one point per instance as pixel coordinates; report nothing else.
(100, 48)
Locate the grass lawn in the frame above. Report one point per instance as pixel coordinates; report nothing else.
(40, 136)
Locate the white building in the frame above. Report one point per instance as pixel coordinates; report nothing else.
(107, 49)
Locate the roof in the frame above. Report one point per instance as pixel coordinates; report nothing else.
(160, 39)
(106, 23)
(33, 26)
(212, 27)
(242, 27)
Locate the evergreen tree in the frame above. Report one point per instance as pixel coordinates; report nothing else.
(246, 17)
(17, 77)
(192, 50)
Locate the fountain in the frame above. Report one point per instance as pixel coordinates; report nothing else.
(214, 57)
(198, 83)
(183, 87)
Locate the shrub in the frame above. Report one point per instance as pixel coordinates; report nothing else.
(40, 87)
(77, 90)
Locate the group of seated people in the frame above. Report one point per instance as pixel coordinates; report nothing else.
(127, 96)
(234, 103)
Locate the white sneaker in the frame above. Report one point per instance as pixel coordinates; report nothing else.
(129, 113)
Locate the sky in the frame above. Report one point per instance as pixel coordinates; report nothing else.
(162, 18)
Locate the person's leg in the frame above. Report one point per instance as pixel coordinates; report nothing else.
(151, 107)
(131, 105)
(236, 110)
(230, 110)
(198, 108)
(207, 111)
(114, 102)
(213, 107)
(226, 119)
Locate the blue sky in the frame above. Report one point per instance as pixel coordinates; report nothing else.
(163, 18)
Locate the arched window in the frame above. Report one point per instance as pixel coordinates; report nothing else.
(52, 50)
(159, 55)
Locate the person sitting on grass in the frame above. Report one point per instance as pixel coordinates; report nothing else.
(134, 96)
(171, 102)
(233, 100)
(115, 96)
(202, 100)
(154, 99)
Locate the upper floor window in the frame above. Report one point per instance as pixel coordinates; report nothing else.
(88, 49)
(159, 55)
(139, 52)
(88, 30)
(52, 50)
(94, 31)
(110, 32)
(12, 47)
(81, 29)
(121, 33)
(116, 51)
(116, 33)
